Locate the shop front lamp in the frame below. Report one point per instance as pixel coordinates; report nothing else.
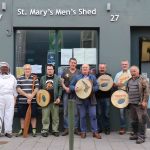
(3, 6)
(108, 6)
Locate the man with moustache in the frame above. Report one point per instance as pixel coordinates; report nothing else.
(103, 103)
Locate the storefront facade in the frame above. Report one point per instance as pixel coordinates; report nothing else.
(32, 31)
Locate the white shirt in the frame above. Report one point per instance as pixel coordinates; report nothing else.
(119, 74)
(8, 85)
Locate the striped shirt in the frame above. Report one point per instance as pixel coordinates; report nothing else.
(134, 95)
(26, 85)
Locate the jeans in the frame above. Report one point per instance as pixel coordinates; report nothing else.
(65, 105)
(122, 118)
(103, 113)
(91, 109)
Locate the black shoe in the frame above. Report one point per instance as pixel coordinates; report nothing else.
(133, 137)
(45, 134)
(107, 131)
(65, 132)
(76, 132)
(140, 140)
(9, 135)
(56, 134)
(100, 131)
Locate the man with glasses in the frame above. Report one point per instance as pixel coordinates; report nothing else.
(51, 82)
(27, 96)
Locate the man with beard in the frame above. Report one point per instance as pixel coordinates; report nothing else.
(51, 82)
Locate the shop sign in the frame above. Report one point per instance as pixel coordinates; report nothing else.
(56, 12)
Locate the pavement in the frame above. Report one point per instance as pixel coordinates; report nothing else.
(114, 141)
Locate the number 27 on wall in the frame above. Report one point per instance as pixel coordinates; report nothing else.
(114, 18)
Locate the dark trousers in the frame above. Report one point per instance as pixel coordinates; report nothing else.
(103, 113)
(138, 120)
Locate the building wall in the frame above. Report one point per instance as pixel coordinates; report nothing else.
(114, 37)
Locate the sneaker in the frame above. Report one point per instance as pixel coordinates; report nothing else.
(65, 132)
(97, 135)
(9, 135)
(76, 132)
(122, 131)
(56, 134)
(133, 137)
(140, 140)
(19, 133)
(34, 132)
(83, 135)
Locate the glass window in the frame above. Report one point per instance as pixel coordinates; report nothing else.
(39, 47)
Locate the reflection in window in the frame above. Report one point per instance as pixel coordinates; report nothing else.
(145, 51)
(39, 47)
(145, 56)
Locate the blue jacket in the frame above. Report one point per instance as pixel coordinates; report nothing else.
(95, 88)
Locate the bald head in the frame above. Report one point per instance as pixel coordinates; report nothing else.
(27, 66)
(85, 69)
(27, 69)
(134, 70)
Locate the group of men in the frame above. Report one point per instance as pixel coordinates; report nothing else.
(97, 105)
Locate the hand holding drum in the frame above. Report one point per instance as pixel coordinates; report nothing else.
(43, 98)
(122, 81)
(83, 88)
(120, 99)
(105, 82)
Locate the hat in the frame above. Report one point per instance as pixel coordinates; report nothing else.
(120, 99)
(2, 64)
